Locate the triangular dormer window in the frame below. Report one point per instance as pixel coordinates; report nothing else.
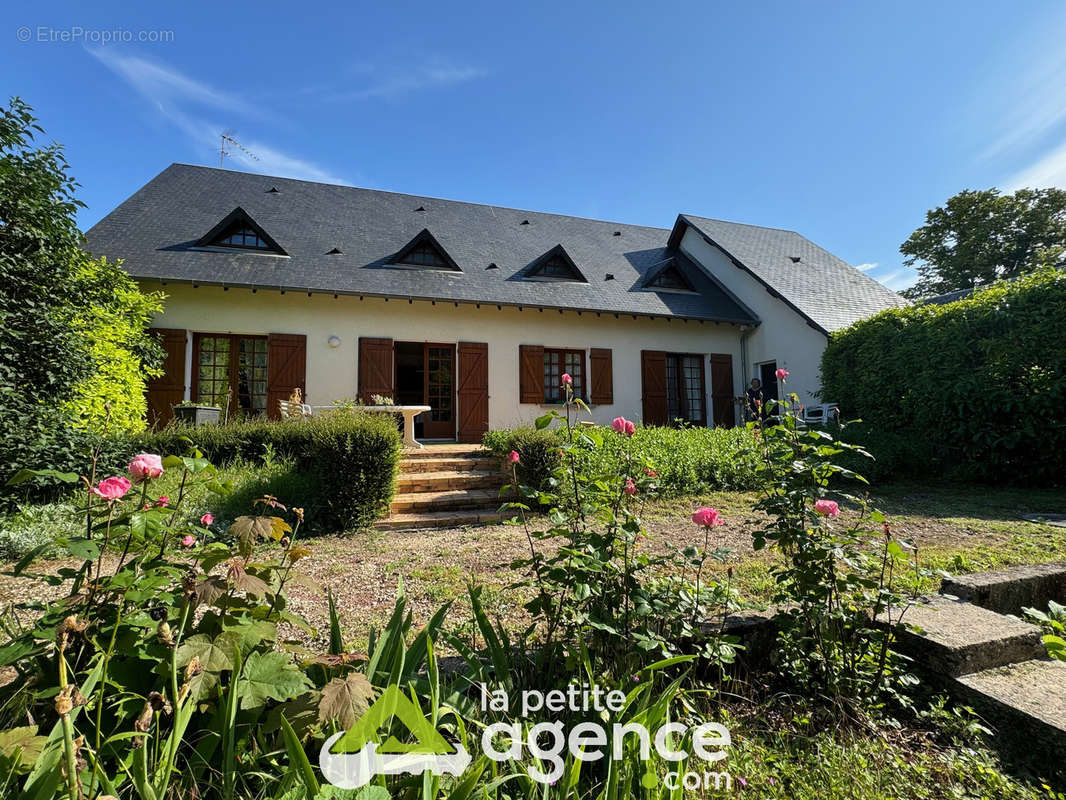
(238, 231)
(671, 278)
(424, 252)
(555, 265)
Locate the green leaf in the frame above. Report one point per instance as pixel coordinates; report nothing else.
(215, 655)
(24, 475)
(270, 676)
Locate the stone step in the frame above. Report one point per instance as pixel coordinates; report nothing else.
(418, 502)
(407, 483)
(957, 638)
(446, 451)
(1025, 703)
(439, 519)
(1010, 590)
(450, 464)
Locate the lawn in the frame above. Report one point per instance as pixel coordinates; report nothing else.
(957, 528)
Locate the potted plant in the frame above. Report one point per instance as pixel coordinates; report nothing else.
(196, 414)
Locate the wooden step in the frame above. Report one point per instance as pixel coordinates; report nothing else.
(409, 482)
(439, 519)
(451, 499)
(450, 464)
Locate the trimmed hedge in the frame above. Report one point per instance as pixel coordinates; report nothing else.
(973, 389)
(347, 460)
(688, 460)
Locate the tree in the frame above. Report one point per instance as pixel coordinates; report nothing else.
(73, 330)
(978, 237)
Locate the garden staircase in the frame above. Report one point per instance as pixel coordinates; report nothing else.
(445, 486)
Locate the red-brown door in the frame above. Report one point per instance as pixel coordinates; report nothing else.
(473, 374)
(722, 404)
(168, 389)
(439, 422)
(375, 368)
(653, 380)
(286, 369)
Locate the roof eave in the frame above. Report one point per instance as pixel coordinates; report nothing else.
(457, 302)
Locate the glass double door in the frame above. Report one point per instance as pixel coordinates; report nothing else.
(425, 375)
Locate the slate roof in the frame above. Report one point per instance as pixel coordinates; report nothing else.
(156, 232)
(829, 292)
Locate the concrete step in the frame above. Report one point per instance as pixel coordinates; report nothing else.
(451, 499)
(449, 464)
(1026, 705)
(956, 638)
(439, 519)
(407, 483)
(446, 451)
(1010, 590)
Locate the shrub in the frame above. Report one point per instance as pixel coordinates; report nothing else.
(538, 452)
(688, 460)
(970, 388)
(353, 458)
(344, 463)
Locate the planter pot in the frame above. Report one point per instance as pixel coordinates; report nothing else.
(197, 415)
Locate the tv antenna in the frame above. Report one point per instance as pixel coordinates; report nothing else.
(227, 139)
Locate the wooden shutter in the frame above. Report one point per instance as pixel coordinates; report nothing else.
(375, 368)
(601, 381)
(169, 388)
(530, 373)
(286, 369)
(473, 391)
(653, 381)
(722, 405)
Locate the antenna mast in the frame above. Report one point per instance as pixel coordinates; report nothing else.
(223, 152)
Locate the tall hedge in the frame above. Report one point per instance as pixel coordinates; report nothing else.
(74, 349)
(973, 389)
(347, 461)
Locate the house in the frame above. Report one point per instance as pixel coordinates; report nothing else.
(274, 284)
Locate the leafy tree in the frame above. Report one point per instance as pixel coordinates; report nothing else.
(978, 237)
(73, 336)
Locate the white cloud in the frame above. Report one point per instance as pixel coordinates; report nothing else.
(899, 279)
(1048, 171)
(190, 105)
(866, 267)
(417, 79)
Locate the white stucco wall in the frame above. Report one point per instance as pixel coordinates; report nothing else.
(332, 372)
(783, 336)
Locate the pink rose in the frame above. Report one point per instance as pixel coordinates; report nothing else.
(567, 379)
(206, 520)
(630, 428)
(781, 374)
(111, 489)
(630, 487)
(827, 508)
(514, 456)
(707, 517)
(623, 425)
(146, 465)
(188, 540)
(162, 501)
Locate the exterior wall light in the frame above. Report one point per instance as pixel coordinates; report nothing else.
(334, 341)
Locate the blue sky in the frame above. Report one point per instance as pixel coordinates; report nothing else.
(844, 121)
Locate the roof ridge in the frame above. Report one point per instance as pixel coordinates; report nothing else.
(750, 225)
(493, 206)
